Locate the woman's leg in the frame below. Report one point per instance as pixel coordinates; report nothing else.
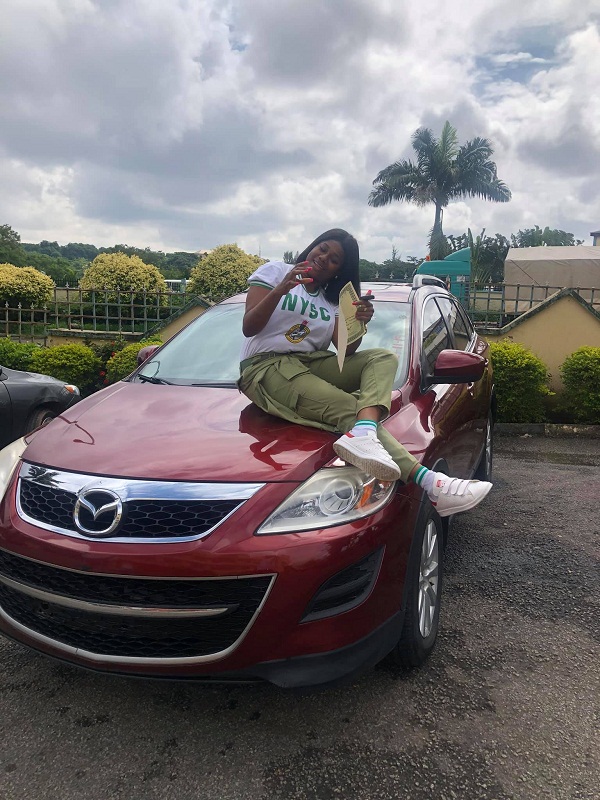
(294, 389)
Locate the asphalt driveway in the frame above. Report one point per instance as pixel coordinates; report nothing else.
(507, 707)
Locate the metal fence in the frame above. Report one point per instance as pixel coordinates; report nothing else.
(496, 306)
(142, 312)
(97, 311)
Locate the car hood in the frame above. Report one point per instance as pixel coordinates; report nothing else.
(142, 430)
(18, 376)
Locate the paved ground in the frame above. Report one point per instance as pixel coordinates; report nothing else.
(508, 706)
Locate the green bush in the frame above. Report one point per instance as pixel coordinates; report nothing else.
(223, 272)
(16, 355)
(118, 272)
(521, 380)
(580, 374)
(24, 285)
(71, 363)
(124, 362)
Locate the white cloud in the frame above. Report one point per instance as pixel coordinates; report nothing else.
(186, 124)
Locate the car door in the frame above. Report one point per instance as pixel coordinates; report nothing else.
(6, 415)
(473, 415)
(452, 410)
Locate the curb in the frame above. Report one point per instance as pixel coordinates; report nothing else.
(546, 429)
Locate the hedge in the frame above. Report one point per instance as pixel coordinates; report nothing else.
(580, 374)
(71, 363)
(124, 362)
(521, 380)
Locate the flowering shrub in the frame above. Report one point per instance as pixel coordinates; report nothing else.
(118, 272)
(24, 285)
(223, 272)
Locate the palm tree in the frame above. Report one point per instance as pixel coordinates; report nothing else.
(444, 171)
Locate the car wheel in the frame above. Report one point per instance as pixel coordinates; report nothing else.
(484, 468)
(424, 591)
(40, 417)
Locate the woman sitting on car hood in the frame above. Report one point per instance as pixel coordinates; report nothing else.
(286, 369)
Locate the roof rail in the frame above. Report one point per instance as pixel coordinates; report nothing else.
(428, 280)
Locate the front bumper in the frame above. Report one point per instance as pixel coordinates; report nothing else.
(279, 643)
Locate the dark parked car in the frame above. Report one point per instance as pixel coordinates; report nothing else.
(28, 400)
(165, 526)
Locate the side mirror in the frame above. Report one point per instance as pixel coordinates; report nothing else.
(145, 353)
(457, 366)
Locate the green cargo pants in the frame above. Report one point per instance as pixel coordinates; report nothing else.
(308, 388)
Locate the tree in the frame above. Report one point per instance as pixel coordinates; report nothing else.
(60, 270)
(536, 237)
(444, 171)
(223, 272)
(11, 250)
(289, 256)
(487, 255)
(179, 264)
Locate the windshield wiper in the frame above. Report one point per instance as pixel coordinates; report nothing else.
(153, 379)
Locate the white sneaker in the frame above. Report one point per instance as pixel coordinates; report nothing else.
(453, 495)
(367, 453)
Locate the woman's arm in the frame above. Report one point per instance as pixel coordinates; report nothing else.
(262, 302)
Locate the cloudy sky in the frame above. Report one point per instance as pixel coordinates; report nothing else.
(184, 124)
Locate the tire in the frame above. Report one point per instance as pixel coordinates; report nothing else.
(40, 417)
(485, 466)
(423, 591)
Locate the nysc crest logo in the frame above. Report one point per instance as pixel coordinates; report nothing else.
(298, 333)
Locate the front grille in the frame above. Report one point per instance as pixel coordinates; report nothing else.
(111, 635)
(143, 518)
(125, 509)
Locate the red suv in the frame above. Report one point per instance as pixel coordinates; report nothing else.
(166, 527)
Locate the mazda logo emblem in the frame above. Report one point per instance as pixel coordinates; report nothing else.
(97, 512)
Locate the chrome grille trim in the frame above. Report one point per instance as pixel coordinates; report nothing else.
(101, 658)
(117, 610)
(131, 489)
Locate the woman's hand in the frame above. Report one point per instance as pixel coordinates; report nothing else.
(299, 273)
(261, 302)
(364, 310)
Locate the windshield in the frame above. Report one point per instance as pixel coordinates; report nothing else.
(207, 352)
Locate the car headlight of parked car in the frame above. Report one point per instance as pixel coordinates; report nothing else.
(9, 458)
(332, 496)
(70, 388)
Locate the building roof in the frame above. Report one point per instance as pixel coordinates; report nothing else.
(568, 253)
(548, 302)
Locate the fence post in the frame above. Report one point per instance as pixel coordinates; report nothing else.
(106, 308)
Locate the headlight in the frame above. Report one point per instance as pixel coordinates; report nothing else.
(332, 496)
(71, 388)
(9, 458)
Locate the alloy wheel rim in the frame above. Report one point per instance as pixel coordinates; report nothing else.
(488, 449)
(428, 579)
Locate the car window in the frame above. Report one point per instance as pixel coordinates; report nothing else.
(208, 350)
(390, 329)
(435, 334)
(455, 322)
